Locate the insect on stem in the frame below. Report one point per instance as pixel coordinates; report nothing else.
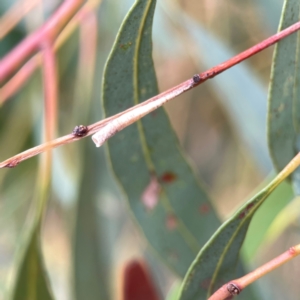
(80, 130)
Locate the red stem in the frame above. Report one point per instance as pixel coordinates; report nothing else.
(251, 51)
(50, 92)
(158, 100)
(37, 40)
(224, 292)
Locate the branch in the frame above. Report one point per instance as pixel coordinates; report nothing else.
(50, 116)
(15, 15)
(36, 41)
(106, 128)
(234, 287)
(23, 74)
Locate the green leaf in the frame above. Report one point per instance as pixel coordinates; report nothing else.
(218, 259)
(32, 282)
(170, 206)
(93, 241)
(174, 291)
(259, 227)
(270, 10)
(284, 98)
(288, 216)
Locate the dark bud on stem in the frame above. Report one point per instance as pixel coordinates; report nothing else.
(80, 130)
(233, 289)
(196, 78)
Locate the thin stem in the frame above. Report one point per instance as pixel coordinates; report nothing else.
(36, 41)
(50, 92)
(50, 121)
(111, 125)
(234, 287)
(15, 15)
(24, 73)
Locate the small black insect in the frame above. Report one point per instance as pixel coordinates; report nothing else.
(196, 78)
(80, 130)
(233, 289)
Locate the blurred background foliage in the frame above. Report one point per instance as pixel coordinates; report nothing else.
(88, 236)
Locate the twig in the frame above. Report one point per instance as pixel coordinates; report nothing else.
(234, 287)
(15, 15)
(20, 78)
(109, 126)
(50, 121)
(36, 41)
(50, 92)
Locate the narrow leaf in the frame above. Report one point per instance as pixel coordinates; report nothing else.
(32, 282)
(164, 195)
(284, 100)
(92, 247)
(218, 259)
(257, 232)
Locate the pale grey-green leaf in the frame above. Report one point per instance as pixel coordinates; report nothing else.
(32, 282)
(284, 97)
(164, 195)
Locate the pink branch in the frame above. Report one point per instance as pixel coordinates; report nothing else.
(50, 92)
(14, 15)
(129, 116)
(228, 290)
(20, 78)
(50, 110)
(41, 37)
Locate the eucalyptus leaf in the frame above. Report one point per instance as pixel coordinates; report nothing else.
(284, 97)
(32, 282)
(165, 197)
(217, 260)
(270, 12)
(92, 255)
(259, 227)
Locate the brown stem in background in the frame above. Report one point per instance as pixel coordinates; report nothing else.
(39, 39)
(116, 123)
(234, 287)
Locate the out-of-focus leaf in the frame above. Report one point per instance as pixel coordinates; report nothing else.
(284, 97)
(239, 90)
(289, 215)
(174, 292)
(261, 221)
(164, 195)
(32, 282)
(270, 12)
(93, 241)
(137, 283)
(215, 263)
